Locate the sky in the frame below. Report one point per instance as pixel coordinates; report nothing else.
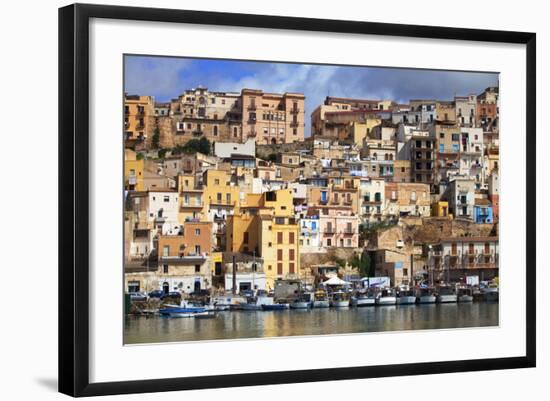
(167, 77)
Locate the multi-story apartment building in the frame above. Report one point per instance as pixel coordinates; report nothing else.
(138, 119)
(339, 227)
(455, 258)
(461, 197)
(465, 107)
(407, 199)
(271, 117)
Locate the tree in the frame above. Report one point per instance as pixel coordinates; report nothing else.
(140, 156)
(162, 153)
(193, 146)
(155, 141)
(363, 264)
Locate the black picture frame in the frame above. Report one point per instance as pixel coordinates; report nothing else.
(74, 201)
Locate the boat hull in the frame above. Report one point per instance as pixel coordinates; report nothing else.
(299, 305)
(321, 304)
(250, 307)
(339, 304)
(427, 299)
(386, 301)
(275, 307)
(465, 298)
(406, 300)
(446, 299)
(182, 312)
(360, 302)
(490, 296)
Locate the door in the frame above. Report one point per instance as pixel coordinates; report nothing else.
(197, 286)
(165, 287)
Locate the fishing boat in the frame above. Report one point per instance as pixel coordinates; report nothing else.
(465, 294)
(406, 296)
(490, 293)
(275, 307)
(339, 299)
(255, 303)
(182, 310)
(320, 300)
(386, 296)
(206, 315)
(226, 301)
(302, 302)
(446, 294)
(425, 295)
(363, 299)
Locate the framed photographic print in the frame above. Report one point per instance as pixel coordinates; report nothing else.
(251, 199)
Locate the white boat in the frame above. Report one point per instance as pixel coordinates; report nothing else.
(339, 299)
(446, 294)
(406, 297)
(386, 297)
(303, 301)
(363, 299)
(320, 300)
(465, 294)
(226, 301)
(255, 303)
(425, 296)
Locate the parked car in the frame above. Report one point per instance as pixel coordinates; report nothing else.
(156, 294)
(171, 294)
(138, 296)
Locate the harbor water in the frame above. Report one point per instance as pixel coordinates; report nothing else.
(296, 322)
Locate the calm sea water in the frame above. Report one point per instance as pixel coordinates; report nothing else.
(253, 324)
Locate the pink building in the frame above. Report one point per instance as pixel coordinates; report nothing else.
(339, 227)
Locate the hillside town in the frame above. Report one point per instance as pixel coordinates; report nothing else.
(229, 193)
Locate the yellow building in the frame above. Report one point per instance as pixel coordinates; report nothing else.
(190, 199)
(441, 209)
(220, 194)
(133, 171)
(265, 226)
(138, 118)
(361, 130)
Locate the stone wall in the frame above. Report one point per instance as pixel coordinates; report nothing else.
(263, 151)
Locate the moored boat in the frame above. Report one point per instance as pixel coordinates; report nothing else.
(339, 299)
(406, 297)
(182, 310)
(446, 294)
(363, 299)
(425, 295)
(274, 307)
(465, 294)
(320, 300)
(386, 296)
(490, 293)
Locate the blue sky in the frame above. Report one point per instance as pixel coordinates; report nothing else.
(167, 77)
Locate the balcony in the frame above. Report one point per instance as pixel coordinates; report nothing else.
(294, 124)
(329, 231)
(349, 231)
(188, 206)
(251, 121)
(220, 202)
(294, 110)
(372, 203)
(251, 107)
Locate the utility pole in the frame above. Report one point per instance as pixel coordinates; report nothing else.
(234, 276)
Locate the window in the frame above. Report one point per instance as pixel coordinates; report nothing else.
(197, 268)
(413, 195)
(166, 199)
(291, 238)
(329, 242)
(279, 254)
(291, 268)
(455, 137)
(197, 231)
(165, 250)
(215, 130)
(279, 268)
(165, 269)
(279, 237)
(442, 135)
(245, 237)
(217, 181)
(291, 254)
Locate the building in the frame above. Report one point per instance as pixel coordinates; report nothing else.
(483, 211)
(461, 197)
(249, 272)
(133, 171)
(138, 120)
(271, 117)
(338, 227)
(455, 258)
